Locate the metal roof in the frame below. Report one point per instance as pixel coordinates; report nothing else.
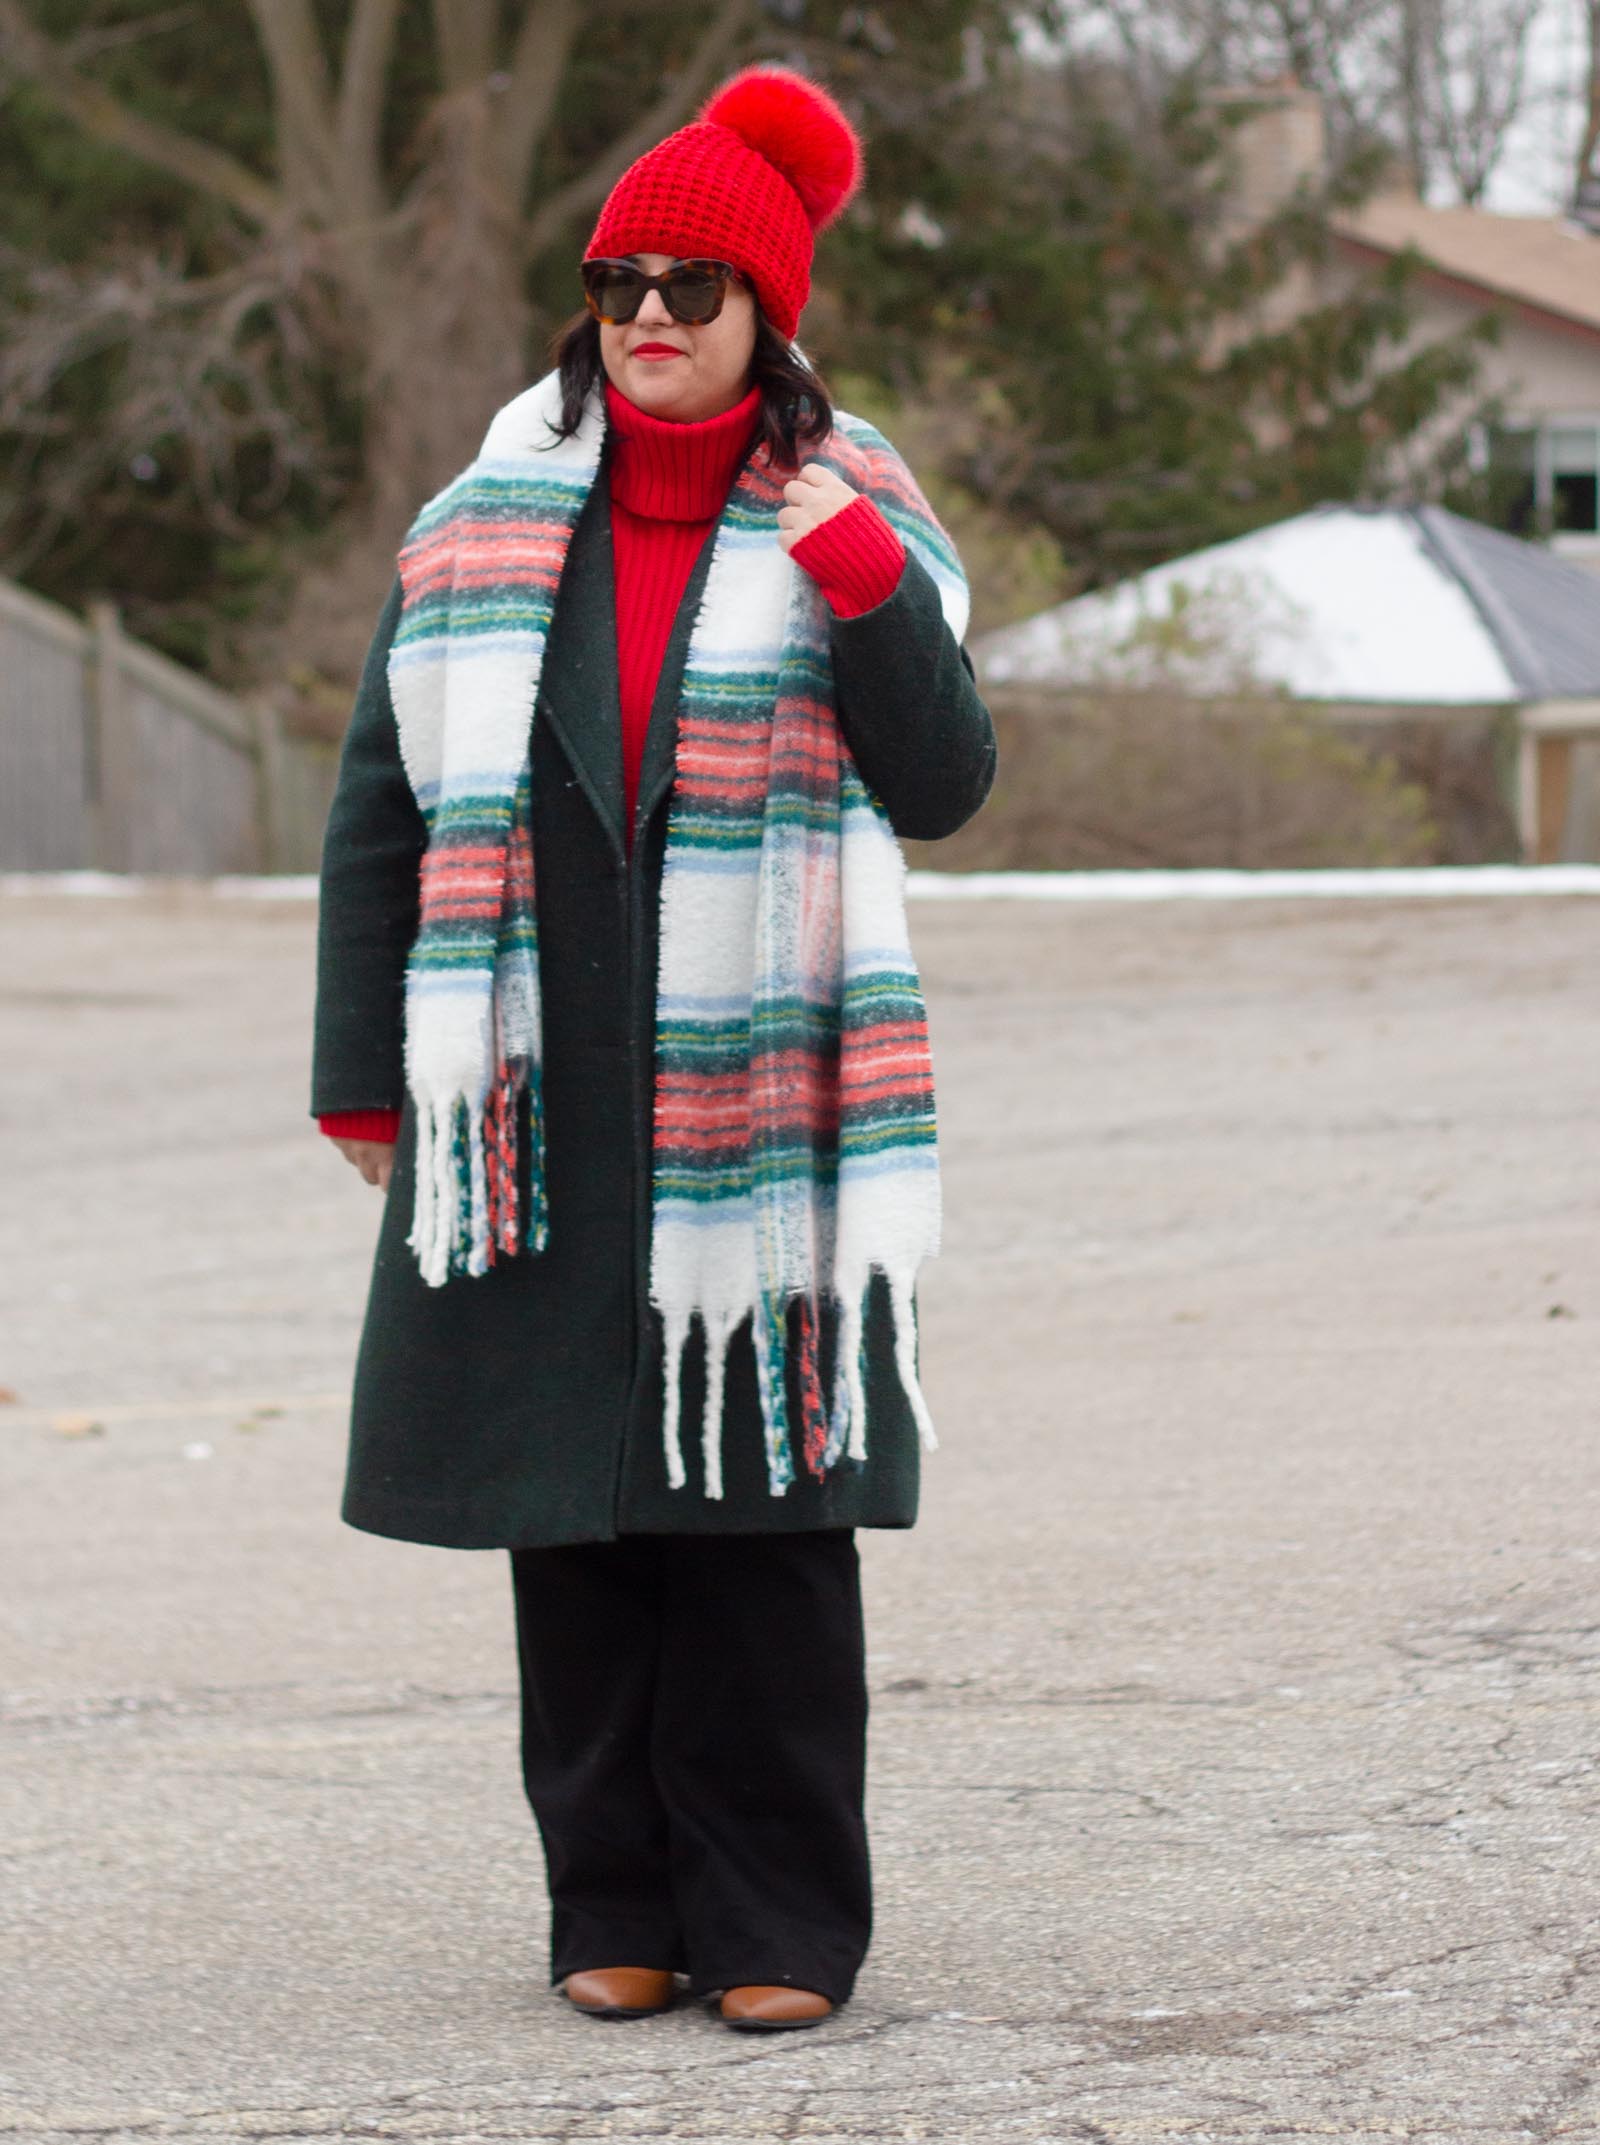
(1390, 605)
(1543, 611)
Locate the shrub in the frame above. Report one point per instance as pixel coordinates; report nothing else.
(1171, 748)
(1130, 778)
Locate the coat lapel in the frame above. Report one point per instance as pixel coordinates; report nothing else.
(579, 694)
(661, 738)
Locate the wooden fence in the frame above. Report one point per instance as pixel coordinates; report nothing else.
(114, 758)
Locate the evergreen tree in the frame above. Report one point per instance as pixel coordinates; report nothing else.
(1056, 278)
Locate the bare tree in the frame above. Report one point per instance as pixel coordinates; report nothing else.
(1462, 83)
(1443, 81)
(1586, 169)
(416, 280)
(1335, 47)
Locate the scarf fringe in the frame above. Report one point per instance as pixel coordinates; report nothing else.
(466, 1212)
(676, 1333)
(905, 1357)
(831, 1430)
(769, 1331)
(719, 1332)
(848, 1430)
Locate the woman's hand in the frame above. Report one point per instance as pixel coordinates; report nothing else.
(374, 1159)
(810, 499)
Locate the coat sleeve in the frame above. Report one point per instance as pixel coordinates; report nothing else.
(369, 891)
(911, 712)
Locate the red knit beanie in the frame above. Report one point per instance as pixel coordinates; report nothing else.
(769, 160)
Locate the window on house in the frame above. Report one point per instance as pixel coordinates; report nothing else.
(1573, 453)
(1512, 461)
(1545, 479)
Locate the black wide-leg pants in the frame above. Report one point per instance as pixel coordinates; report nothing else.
(694, 1712)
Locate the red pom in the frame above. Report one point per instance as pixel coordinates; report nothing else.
(798, 128)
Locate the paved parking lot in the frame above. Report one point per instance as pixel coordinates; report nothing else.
(1234, 1765)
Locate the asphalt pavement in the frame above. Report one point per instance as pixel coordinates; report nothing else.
(1234, 1742)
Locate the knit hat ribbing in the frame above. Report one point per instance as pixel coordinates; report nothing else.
(768, 161)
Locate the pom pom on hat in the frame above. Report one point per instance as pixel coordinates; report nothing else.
(797, 127)
(768, 161)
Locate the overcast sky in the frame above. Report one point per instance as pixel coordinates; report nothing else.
(1536, 174)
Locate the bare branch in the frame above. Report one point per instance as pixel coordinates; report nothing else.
(90, 42)
(538, 67)
(464, 31)
(307, 155)
(212, 376)
(1475, 82)
(590, 188)
(363, 81)
(27, 52)
(1587, 167)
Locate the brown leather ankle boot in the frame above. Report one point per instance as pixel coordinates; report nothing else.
(760, 2009)
(620, 1991)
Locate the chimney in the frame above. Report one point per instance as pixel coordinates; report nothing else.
(1280, 140)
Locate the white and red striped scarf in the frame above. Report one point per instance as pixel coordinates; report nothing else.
(794, 1148)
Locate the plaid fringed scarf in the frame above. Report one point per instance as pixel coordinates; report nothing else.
(794, 1148)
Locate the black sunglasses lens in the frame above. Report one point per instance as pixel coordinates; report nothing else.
(693, 294)
(618, 293)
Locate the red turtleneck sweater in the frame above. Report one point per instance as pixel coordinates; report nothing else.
(668, 484)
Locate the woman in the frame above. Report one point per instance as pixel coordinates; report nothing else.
(614, 998)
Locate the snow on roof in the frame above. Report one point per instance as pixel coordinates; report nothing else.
(1391, 604)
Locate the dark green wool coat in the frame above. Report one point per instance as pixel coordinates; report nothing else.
(522, 1407)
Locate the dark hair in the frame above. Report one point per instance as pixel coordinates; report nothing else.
(795, 408)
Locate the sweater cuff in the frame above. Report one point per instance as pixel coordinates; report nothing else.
(380, 1125)
(854, 557)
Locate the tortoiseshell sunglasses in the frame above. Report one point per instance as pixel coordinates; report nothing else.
(692, 291)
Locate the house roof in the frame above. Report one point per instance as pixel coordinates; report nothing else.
(1389, 605)
(1545, 262)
